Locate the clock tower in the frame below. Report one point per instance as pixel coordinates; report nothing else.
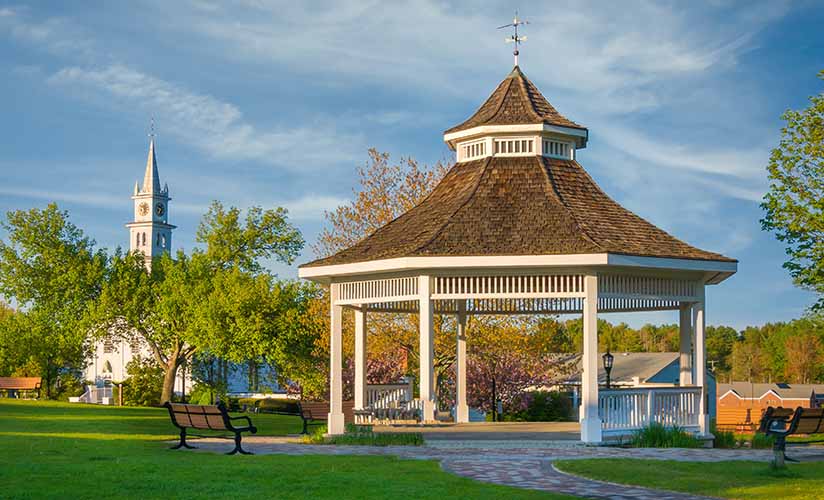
(150, 232)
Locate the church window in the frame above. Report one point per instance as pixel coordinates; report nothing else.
(163, 241)
(108, 346)
(157, 243)
(137, 239)
(144, 239)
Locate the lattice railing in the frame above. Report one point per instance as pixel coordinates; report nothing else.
(509, 287)
(626, 286)
(380, 290)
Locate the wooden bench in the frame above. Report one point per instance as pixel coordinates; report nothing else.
(13, 385)
(784, 422)
(207, 417)
(306, 411)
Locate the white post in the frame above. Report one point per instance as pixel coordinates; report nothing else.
(427, 340)
(590, 421)
(699, 322)
(685, 333)
(461, 408)
(360, 358)
(335, 421)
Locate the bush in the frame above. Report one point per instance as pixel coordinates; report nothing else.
(364, 436)
(761, 441)
(657, 436)
(145, 383)
(543, 406)
(723, 439)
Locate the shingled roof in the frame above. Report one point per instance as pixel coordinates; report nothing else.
(529, 205)
(516, 101)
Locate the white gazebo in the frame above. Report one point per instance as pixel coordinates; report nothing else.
(517, 226)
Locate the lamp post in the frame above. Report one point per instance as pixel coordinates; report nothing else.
(608, 359)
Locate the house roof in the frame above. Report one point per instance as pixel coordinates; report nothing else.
(746, 390)
(516, 101)
(528, 205)
(628, 365)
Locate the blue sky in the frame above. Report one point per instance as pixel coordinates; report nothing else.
(275, 103)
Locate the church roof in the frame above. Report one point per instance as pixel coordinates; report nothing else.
(526, 205)
(151, 179)
(516, 101)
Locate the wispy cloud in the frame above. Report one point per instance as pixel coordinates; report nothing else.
(210, 124)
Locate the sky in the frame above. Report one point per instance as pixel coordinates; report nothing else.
(276, 104)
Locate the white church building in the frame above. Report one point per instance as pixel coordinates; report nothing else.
(151, 234)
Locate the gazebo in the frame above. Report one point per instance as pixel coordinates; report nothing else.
(517, 226)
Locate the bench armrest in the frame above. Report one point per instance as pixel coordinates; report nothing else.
(243, 417)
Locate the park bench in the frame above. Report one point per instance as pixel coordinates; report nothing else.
(13, 386)
(784, 422)
(307, 411)
(207, 417)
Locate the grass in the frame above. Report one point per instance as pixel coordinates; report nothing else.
(750, 480)
(57, 450)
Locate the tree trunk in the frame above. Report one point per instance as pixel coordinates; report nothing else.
(169, 376)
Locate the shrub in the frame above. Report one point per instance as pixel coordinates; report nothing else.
(657, 436)
(761, 441)
(542, 406)
(145, 383)
(723, 439)
(364, 436)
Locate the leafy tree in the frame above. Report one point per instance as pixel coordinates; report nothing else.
(794, 204)
(219, 300)
(145, 382)
(53, 272)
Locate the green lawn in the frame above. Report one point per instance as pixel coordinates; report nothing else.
(57, 450)
(750, 480)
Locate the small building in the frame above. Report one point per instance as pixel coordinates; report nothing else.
(742, 403)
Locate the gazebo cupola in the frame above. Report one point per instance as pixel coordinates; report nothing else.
(517, 226)
(516, 120)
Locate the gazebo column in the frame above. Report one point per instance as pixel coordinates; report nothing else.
(427, 340)
(360, 358)
(685, 334)
(700, 372)
(589, 418)
(335, 421)
(461, 408)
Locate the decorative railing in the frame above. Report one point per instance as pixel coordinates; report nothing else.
(623, 410)
(388, 395)
(95, 395)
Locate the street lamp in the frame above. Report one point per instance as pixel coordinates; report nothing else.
(608, 359)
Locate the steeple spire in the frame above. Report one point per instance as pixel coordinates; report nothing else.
(151, 180)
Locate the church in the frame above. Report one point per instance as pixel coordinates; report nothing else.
(150, 233)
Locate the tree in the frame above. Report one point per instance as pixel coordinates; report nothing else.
(794, 204)
(53, 272)
(805, 352)
(220, 300)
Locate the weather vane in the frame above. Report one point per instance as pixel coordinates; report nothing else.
(516, 38)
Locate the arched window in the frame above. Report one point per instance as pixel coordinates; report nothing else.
(137, 239)
(163, 241)
(157, 243)
(144, 239)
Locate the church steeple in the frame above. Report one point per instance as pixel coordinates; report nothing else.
(150, 232)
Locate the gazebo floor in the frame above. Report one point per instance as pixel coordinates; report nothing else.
(492, 431)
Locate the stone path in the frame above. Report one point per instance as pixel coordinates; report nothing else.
(521, 466)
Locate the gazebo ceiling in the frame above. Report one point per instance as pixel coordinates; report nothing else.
(527, 202)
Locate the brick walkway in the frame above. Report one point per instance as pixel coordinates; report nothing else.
(519, 465)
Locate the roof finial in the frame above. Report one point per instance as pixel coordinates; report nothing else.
(516, 39)
(152, 130)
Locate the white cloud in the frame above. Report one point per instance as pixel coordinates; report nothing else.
(211, 125)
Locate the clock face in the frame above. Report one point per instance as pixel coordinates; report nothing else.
(160, 209)
(143, 208)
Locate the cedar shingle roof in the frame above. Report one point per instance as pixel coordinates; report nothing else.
(515, 101)
(528, 205)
